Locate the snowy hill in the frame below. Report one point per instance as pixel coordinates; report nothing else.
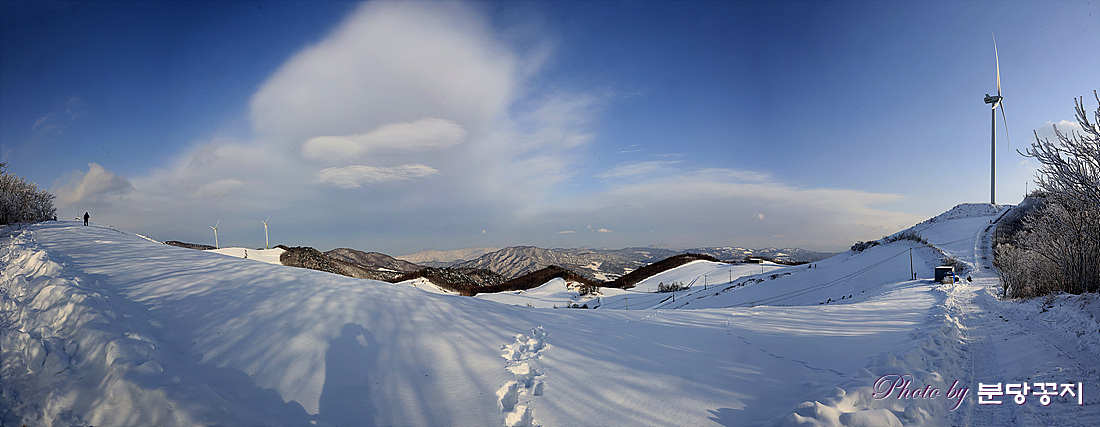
(372, 260)
(99, 326)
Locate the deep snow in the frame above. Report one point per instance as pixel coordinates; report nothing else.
(99, 326)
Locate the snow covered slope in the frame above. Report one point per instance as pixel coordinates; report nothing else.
(103, 327)
(270, 256)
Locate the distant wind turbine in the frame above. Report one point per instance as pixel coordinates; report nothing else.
(215, 227)
(995, 101)
(267, 244)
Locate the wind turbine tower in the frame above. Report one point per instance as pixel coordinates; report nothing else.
(995, 101)
(267, 244)
(215, 227)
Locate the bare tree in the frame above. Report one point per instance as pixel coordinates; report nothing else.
(1058, 247)
(1071, 166)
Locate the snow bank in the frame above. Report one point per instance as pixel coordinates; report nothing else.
(74, 354)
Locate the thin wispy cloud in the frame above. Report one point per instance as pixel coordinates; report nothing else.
(358, 175)
(56, 123)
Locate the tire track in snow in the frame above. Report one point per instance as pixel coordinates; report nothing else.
(977, 304)
(981, 353)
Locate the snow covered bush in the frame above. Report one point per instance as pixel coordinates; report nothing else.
(22, 201)
(1064, 236)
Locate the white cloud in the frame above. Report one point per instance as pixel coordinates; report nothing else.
(567, 232)
(421, 135)
(358, 175)
(390, 62)
(94, 188)
(397, 93)
(602, 230)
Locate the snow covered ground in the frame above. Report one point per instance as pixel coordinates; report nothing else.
(99, 326)
(270, 256)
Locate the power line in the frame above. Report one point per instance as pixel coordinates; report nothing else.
(808, 289)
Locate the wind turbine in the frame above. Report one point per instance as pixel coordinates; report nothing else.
(995, 101)
(215, 227)
(267, 245)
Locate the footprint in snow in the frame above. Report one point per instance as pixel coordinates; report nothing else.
(521, 356)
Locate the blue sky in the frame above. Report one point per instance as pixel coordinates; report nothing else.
(401, 127)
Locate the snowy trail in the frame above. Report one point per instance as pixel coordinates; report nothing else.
(1009, 342)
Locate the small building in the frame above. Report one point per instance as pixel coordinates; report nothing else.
(752, 260)
(945, 274)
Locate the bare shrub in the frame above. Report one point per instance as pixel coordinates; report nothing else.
(960, 267)
(907, 235)
(862, 246)
(671, 287)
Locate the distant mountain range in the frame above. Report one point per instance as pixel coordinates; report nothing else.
(373, 260)
(604, 264)
(434, 258)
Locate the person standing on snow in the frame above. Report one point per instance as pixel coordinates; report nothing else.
(86, 216)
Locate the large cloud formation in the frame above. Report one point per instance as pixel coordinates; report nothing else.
(413, 126)
(95, 188)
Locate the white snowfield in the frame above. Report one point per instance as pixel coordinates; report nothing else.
(102, 327)
(270, 256)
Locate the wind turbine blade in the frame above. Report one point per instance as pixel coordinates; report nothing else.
(997, 57)
(1006, 124)
(217, 224)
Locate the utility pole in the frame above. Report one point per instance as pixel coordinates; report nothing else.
(911, 272)
(627, 303)
(704, 281)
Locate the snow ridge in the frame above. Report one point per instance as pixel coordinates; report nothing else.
(515, 396)
(55, 343)
(73, 352)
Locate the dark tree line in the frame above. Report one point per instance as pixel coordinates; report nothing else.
(22, 201)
